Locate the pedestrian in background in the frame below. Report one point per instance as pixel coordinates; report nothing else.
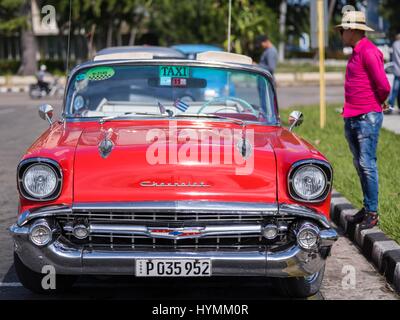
(366, 90)
(269, 57)
(396, 72)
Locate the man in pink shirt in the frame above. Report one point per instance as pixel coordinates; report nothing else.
(366, 90)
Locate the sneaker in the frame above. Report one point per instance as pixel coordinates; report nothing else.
(358, 217)
(388, 110)
(370, 221)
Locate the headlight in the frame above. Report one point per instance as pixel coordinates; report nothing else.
(310, 182)
(39, 179)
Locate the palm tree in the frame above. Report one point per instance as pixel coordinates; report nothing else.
(28, 43)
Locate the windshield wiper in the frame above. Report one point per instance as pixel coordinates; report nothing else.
(208, 115)
(105, 119)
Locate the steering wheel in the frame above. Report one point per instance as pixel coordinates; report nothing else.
(228, 108)
(242, 102)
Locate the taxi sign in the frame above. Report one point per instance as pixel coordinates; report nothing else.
(174, 71)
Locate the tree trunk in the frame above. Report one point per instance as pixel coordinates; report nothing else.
(118, 35)
(282, 29)
(91, 48)
(28, 45)
(132, 38)
(110, 33)
(332, 6)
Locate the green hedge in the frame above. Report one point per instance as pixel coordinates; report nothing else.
(57, 67)
(9, 67)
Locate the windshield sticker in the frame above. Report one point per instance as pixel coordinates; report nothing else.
(165, 81)
(179, 82)
(100, 73)
(174, 71)
(81, 77)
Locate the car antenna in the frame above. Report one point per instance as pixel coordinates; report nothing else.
(69, 38)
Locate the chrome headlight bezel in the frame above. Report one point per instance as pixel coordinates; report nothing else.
(326, 169)
(29, 163)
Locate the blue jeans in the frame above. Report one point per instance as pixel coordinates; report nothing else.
(395, 92)
(362, 135)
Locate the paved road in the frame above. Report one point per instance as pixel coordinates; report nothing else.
(289, 97)
(19, 127)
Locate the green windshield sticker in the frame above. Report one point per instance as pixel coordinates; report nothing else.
(100, 73)
(174, 71)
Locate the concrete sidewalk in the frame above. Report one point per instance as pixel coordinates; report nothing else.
(392, 122)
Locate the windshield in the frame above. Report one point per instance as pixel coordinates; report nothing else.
(170, 90)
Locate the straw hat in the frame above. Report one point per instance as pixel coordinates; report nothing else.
(354, 20)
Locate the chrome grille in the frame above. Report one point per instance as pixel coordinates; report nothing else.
(171, 220)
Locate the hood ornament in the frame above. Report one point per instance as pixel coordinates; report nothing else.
(106, 145)
(245, 148)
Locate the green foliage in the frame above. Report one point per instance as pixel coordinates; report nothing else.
(332, 143)
(10, 15)
(8, 67)
(206, 21)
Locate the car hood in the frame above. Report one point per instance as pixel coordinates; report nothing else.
(135, 168)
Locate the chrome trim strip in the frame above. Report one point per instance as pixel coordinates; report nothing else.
(181, 206)
(243, 208)
(301, 211)
(328, 237)
(197, 232)
(42, 212)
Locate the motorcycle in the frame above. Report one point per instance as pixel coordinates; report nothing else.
(55, 89)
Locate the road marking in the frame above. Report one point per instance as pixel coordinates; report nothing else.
(11, 284)
(5, 111)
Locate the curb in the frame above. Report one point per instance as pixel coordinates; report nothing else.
(23, 89)
(378, 248)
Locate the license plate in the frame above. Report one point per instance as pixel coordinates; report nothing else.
(173, 268)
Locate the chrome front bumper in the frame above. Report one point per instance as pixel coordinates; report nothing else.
(71, 259)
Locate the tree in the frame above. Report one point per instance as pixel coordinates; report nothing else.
(15, 15)
(28, 43)
(206, 21)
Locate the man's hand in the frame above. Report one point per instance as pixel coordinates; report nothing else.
(385, 106)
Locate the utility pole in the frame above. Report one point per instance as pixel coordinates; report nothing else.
(282, 29)
(321, 48)
(229, 25)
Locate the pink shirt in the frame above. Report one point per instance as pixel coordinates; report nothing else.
(366, 85)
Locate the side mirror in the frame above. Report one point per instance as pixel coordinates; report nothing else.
(46, 112)
(295, 119)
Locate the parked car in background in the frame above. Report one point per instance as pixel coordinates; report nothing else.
(154, 51)
(115, 187)
(191, 50)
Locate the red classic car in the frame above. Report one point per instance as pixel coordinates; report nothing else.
(146, 174)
